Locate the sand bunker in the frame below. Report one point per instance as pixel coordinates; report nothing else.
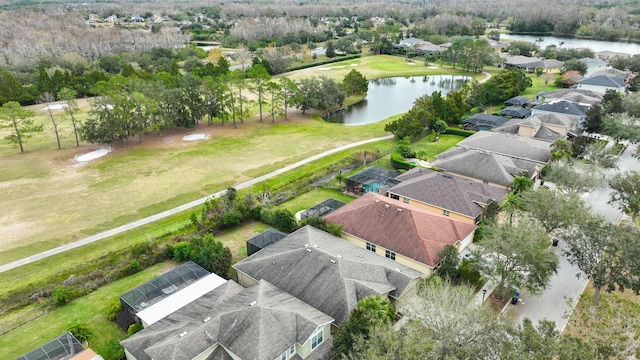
(353, 65)
(194, 137)
(411, 64)
(54, 107)
(324, 69)
(93, 155)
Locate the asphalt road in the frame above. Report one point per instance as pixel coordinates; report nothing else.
(178, 209)
(558, 300)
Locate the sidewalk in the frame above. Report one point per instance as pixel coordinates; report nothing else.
(485, 292)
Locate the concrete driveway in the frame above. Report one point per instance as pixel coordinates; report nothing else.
(558, 300)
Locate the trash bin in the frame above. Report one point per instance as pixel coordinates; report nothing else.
(555, 242)
(514, 300)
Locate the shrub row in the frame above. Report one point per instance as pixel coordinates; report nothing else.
(459, 132)
(324, 62)
(398, 162)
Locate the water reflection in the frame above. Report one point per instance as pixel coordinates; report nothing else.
(391, 96)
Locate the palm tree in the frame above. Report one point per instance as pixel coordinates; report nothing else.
(511, 204)
(520, 184)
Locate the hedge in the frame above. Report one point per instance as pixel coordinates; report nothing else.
(398, 162)
(324, 62)
(459, 132)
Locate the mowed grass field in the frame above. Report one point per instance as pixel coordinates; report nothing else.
(48, 199)
(373, 67)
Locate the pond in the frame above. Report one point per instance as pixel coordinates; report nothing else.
(595, 45)
(392, 96)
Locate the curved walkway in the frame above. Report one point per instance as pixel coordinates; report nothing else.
(170, 212)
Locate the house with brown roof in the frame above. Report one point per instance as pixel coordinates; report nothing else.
(457, 197)
(414, 234)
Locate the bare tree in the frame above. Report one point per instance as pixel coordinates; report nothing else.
(47, 98)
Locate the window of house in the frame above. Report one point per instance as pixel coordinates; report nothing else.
(406, 200)
(394, 196)
(283, 356)
(445, 212)
(292, 349)
(371, 247)
(317, 338)
(390, 254)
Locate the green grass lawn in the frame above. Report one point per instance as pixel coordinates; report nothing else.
(428, 148)
(89, 310)
(373, 67)
(539, 84)
(612, 322)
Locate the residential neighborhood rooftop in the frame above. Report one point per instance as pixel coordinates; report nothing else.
(446, 191)
(405, 229)
(603, 80)
(327, 272)
(258, 322)
(563, 106)
(485, 166)
(508, 145)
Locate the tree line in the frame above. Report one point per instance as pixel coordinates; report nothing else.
(135, 102)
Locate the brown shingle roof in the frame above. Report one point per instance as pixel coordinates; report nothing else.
(402, 228)
(446, 191)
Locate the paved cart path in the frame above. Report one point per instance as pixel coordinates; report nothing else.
(178, 209)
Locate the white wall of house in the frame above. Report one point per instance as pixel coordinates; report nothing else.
(128, 355)
(466, 241)
(600, 89)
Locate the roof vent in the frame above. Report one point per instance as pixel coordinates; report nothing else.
(332, 261)
(308, 250)
(316, 246)
(377, 200)
(306, 245)
(339, 256)
(398, 270)
(182, 334)
(399, 210)
(386, 206)
(253, 303)
(206, 319)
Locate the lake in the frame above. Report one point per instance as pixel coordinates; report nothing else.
(595, 45)
(392, 96)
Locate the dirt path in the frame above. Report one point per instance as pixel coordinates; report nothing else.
(178, 209)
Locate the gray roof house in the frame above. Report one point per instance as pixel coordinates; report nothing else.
(412, 41)
(490, 168)
(581, 96)
(575, 111)
(530, 63)
(326, 272)
(545, 127)
(462, 198)
(233, 322)
(602, 83)
(508, 145)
